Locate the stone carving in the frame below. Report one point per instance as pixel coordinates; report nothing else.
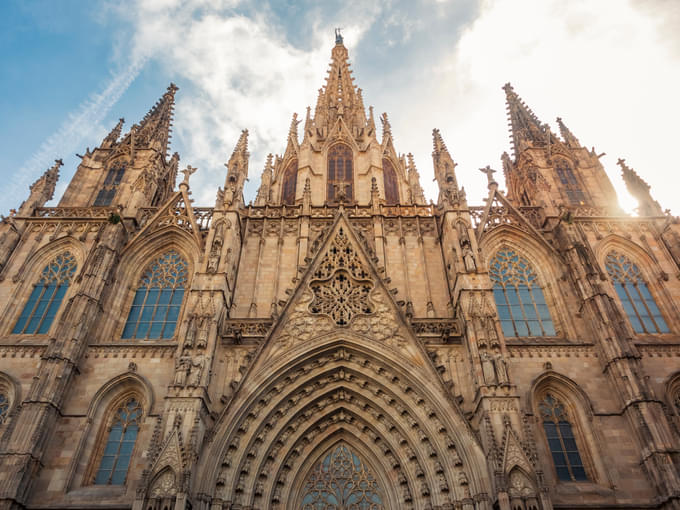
(216, 249)
(164, 486)
(182, 367)
(195, 372)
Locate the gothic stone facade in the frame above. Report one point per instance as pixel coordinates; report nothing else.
(339, 343)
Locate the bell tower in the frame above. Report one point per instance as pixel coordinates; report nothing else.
(548, 171)
(129, 172)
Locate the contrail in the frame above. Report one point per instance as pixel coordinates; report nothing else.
(77, 127)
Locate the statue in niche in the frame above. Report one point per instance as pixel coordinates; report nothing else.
(216, 249)
(195, 372)
(491, 333)
(182, 367)
(488, 369)
(202, 332)
(501, 369)
(466, 247)
(191, 333)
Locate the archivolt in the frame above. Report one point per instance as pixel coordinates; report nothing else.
(340, 389)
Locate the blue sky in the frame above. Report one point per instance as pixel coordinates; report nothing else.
(70, 69)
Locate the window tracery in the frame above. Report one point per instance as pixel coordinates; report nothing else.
(158, 299)
(521, 305)
(561, 440)
(289, 183)
(120, 442)
(113, 179)
(390, 180)
(570, 184)
(638, 303)
(45, 299)
(340, 173)
(341, 285)
(341, 481)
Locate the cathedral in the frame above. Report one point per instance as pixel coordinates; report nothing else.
(339, 342)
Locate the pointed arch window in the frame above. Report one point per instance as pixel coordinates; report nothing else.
(521, 305)
(113, 179)
(569, 182)
(158, 299)
(561, 440)
(391, 184)
(120, 441)
(340, 173)
(47, 295)
(638, 303)
(342, 481)
(289, 183)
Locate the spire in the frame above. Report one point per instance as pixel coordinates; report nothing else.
(339, 97)
(417, 196)
(293, 134)
(265, 183)
(525, 128)
(42, 190)
(567, 135)
(637, 187)
(155, 128)
(444, 170)
(371, 121)
(237, 170)
(113, 136)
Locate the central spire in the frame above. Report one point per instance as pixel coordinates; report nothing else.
(339, 97)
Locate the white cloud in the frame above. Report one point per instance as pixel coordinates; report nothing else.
(599, 65)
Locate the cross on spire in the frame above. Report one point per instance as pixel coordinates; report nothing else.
(489, 173)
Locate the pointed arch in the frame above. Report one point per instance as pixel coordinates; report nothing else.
(44, 302)
(159, 296)
(111, 183)
(263, 437)
(631, 286)
(570, 184)
(391, 182)
(340, 172)
(100, 414)
(672, 390)
(289, 184)
(570, 442)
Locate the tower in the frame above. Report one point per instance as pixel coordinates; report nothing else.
(339, 343)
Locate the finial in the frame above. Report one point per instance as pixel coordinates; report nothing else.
(489, 174)
(387, 127)
(338, 36)
(187, 173)
(172, 88)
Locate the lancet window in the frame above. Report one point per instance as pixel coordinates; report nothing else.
(340, 173)
(390, 180)
(113, 179)
(120, 441)
(561, 440)
(289, 183)
(521, 305)
(341, 481)
(47, 295)
(158, 299)
(569, 182)
(637, 301)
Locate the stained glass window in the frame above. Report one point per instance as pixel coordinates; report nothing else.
(561, 440)
(45, 299)
(340, 172)
(391, 185)
(521, 305)
(569, 182)
(289, 183)
(4, 407)
(158, 299)
(113, 178)
(119, 445)
(341, 481)
(635, 297)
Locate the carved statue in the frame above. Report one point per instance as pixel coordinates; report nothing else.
(202, 332)
(191, 333)
(181, 370)
(488, 368)
(469, 259)
(195, 372)
(501, 369)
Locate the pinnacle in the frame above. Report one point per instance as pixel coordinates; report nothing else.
(438, 142)
(630, 176)
(525, 128)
